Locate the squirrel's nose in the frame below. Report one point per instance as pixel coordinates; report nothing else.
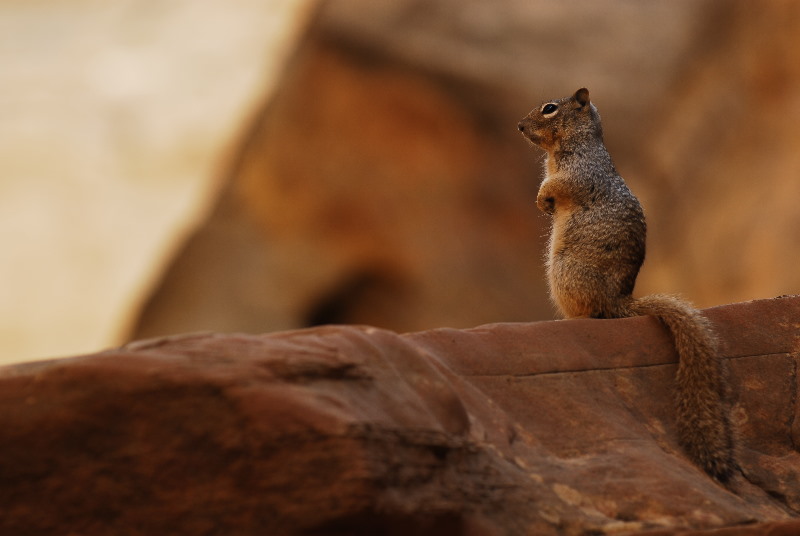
(521, 127)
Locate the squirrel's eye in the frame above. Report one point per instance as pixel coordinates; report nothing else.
(549, 109)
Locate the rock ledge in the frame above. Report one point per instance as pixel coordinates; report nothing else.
(532, 428)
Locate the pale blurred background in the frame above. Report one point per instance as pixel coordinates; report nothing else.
(115, 118)
(263, 165)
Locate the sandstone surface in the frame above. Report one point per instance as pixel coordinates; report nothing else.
(513, 428)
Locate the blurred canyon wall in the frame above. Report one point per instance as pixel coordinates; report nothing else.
(385, 182)
(114, 120)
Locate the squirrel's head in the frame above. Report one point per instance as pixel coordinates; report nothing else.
(558, 124)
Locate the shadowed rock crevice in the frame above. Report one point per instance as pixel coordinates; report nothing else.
(360, 298)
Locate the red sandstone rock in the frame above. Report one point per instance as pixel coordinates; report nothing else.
(532, 428)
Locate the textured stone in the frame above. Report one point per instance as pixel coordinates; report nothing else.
(532, 428)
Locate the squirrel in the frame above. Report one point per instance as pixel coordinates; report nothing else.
(596, 248)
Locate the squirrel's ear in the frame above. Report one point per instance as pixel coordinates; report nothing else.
(582, 96)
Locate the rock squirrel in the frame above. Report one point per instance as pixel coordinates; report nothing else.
(597, 245)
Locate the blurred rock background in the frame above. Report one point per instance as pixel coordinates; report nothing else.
(162, 173)
(114, 120)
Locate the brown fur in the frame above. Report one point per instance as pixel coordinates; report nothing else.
(597, 245)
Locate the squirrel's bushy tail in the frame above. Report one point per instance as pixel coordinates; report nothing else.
(704, 427)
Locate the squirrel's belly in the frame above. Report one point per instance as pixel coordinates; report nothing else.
(587, 269)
